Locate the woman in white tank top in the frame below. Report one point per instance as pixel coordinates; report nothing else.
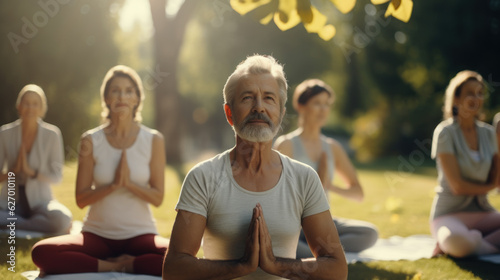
(312, 100)
(120, 172)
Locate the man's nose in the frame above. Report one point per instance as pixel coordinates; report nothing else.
(258, 106)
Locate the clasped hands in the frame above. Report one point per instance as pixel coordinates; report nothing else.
(258, 249)
(122, 173)
(22, 167)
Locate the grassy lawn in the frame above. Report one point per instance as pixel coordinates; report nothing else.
(398, 198)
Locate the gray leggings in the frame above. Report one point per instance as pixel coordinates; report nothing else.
(53, 218)
(355, 236)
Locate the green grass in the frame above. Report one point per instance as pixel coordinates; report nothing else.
(396, 201)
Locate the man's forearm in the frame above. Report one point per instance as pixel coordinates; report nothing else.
(189, 267)
(319, 268)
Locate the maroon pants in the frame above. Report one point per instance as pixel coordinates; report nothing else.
(80, 253)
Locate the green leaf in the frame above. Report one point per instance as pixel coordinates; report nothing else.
(242, 7)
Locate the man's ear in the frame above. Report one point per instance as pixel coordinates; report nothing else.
(229, 114)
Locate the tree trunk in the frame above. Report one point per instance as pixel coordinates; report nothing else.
(168, 38)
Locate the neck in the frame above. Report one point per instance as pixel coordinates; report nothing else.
(310, 131)
(251, 155)
(29, 124)
(121, 126)
(466, 123)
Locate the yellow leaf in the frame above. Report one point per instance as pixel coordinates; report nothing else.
(304, 10)
(327, 32)
(317, 23)
(264, 14)
(287, 15)
(402, 12)
(265, 20)
(287, 6)
(244, 6)
(286, 21)
(378, 2)
(344, 6)
(396, 3)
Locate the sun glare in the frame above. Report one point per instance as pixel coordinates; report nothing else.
(138, 12)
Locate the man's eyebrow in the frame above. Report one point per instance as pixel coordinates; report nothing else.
(270, 93)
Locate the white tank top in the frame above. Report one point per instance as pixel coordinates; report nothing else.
(121, 214)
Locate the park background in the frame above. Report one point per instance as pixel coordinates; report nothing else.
(389, 78)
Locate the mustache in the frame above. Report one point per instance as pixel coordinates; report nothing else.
(257, 116)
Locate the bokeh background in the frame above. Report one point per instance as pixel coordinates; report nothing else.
(389, 76)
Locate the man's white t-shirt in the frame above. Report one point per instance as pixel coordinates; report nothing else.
(210, 190)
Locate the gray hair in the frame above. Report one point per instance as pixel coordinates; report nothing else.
(254, 65)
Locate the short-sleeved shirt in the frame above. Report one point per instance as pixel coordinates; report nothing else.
(210, 190)
(449, 139)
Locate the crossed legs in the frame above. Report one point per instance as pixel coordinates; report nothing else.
(468, 233)
(87, 252)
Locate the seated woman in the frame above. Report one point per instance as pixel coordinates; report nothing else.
(462, 220)
(120, 172)
(32, 151)
(312, 100)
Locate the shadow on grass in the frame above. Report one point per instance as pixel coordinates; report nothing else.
(361, 271)
(481, 269)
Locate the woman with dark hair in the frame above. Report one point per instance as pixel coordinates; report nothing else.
(312, 100)
(120, 172)
(32, 150)
(462, 220)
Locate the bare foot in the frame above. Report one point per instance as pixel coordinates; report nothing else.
(123, 263)
(437, 251)
(121, 258)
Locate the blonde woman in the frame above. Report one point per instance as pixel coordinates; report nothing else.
(120, 172)
(462, 220)
(32, 152)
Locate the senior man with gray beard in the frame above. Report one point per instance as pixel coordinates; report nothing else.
(249, 203)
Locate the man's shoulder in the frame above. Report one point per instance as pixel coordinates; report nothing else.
(209, 167)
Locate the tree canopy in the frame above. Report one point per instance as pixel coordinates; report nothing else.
(389, 76)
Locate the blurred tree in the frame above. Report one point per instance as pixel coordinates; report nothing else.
(168, 39)
(410, 66)
(65, 47)
(217, 40)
